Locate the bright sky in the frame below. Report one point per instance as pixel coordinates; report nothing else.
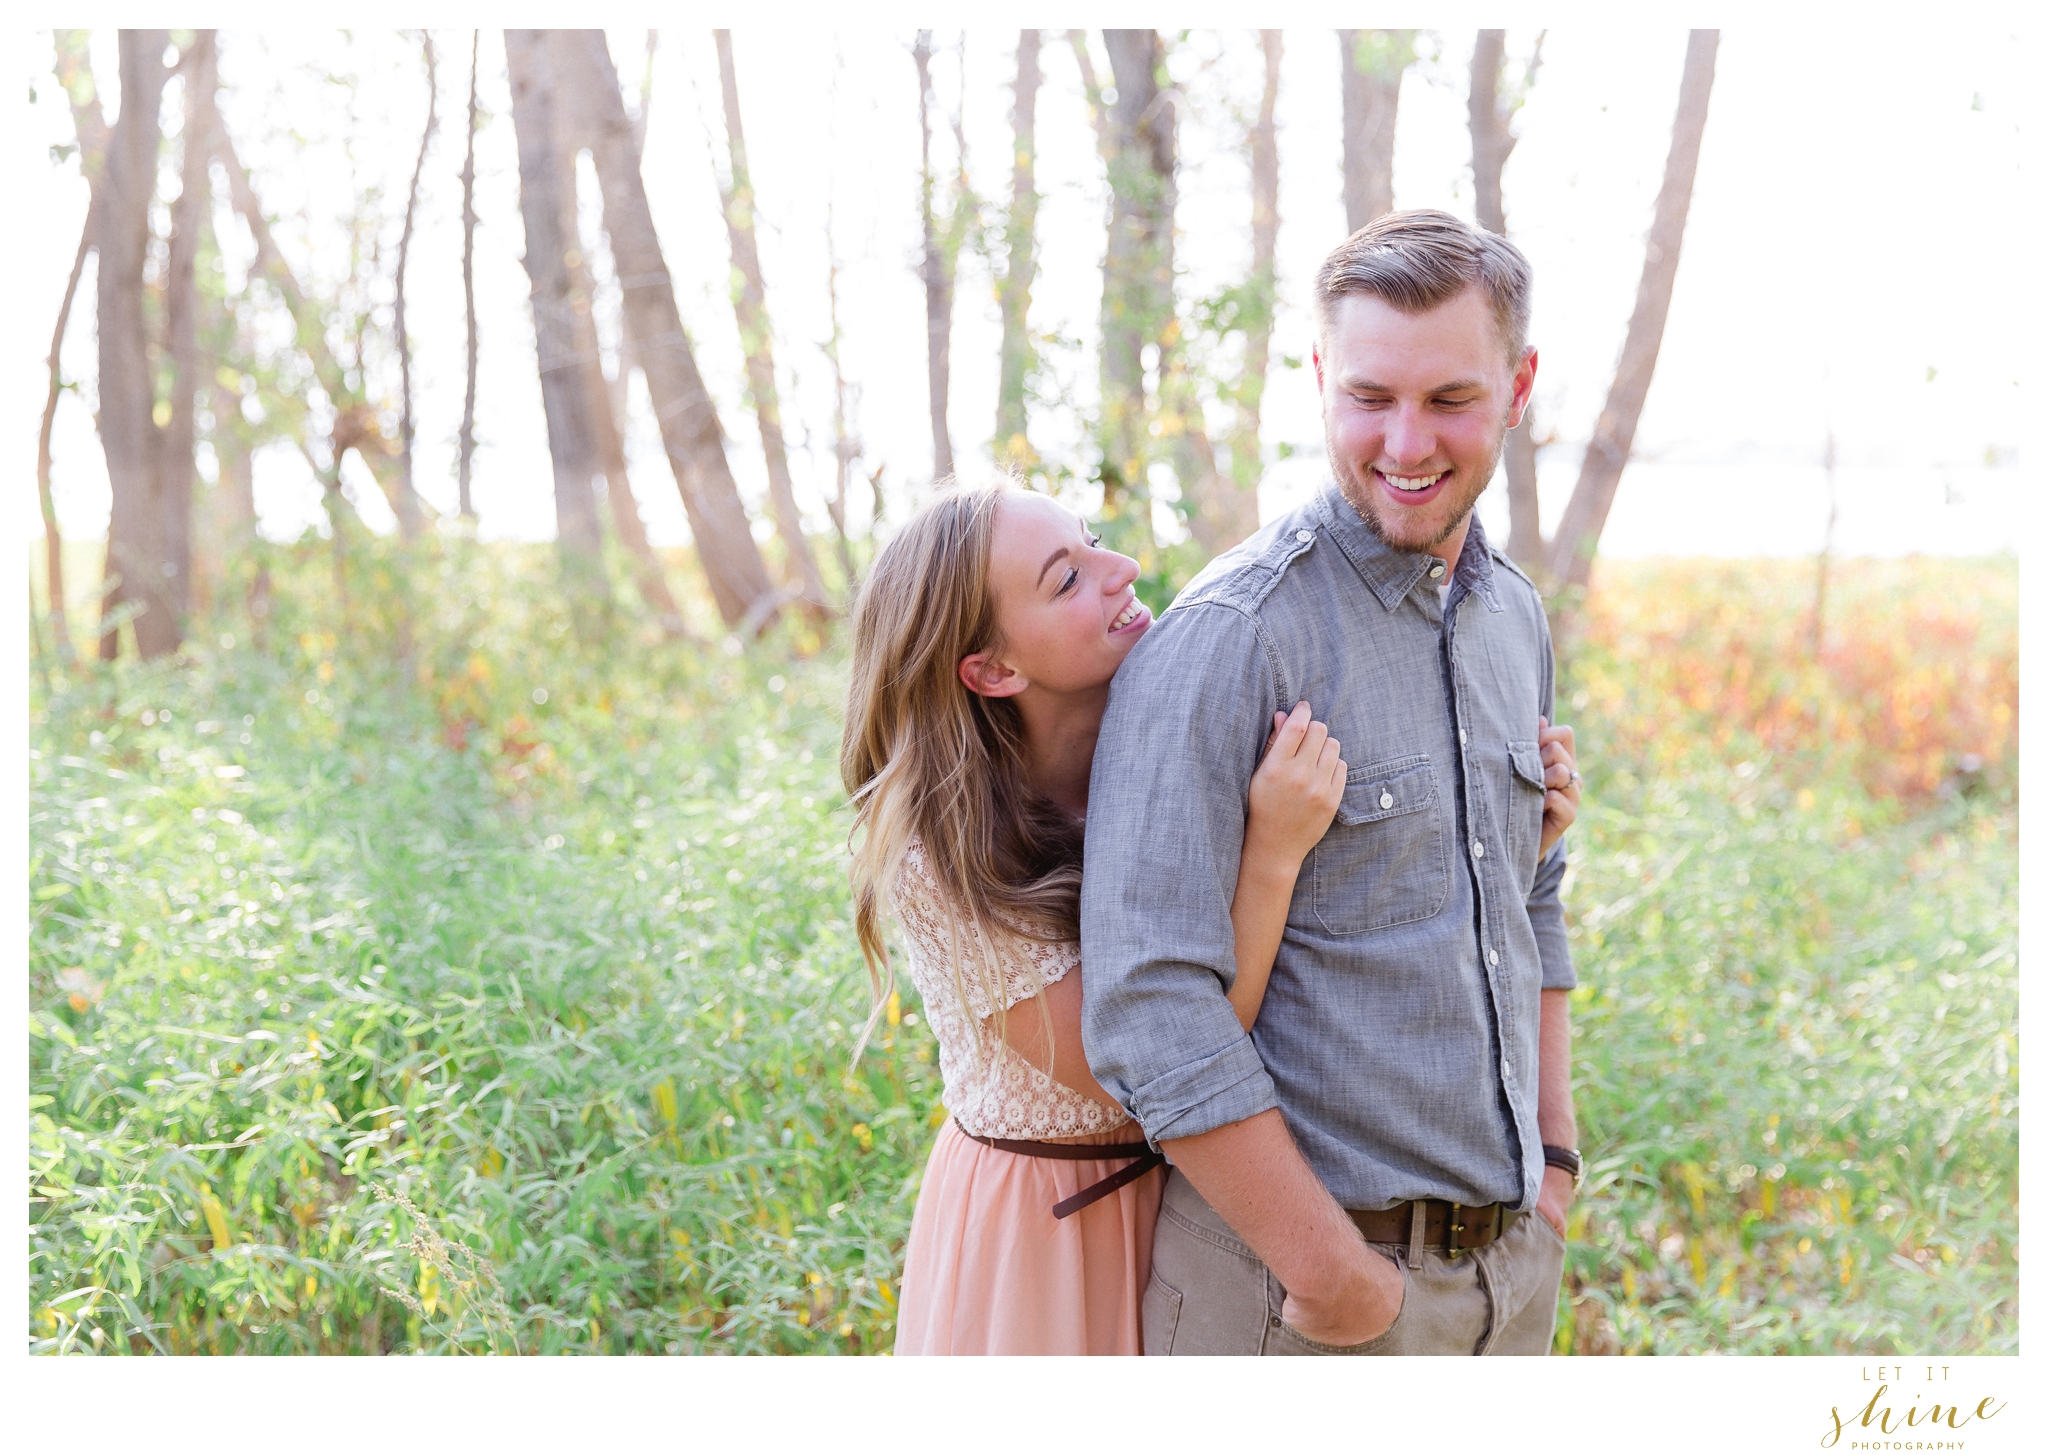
(1847, 265)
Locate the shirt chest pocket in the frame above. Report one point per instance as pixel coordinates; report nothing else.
(1525, 807)
(1384, 861)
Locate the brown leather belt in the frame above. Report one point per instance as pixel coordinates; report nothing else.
(1145, 1159)
(1446, 1227)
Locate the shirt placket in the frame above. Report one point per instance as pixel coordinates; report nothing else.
(1485, 852)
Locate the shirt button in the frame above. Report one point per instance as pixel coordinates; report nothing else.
(1386, 800)
(1462, 739)
(1304, 536)
(1493, 957)
(1478, 849)
(1436, 572)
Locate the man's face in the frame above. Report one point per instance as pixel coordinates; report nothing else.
(1414, 410)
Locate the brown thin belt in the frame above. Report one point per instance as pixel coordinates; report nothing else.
(1144, 1160)
(1448, 1227)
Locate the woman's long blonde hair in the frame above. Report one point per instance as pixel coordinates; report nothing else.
(926, 759)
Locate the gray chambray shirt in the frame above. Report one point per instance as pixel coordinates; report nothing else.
(1399, 1030)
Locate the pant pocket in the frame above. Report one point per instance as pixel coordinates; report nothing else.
(1159, 1316)
(1283, 1338)
(1522, 1279)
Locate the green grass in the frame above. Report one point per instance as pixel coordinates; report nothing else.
(571, 985)
(1796, 1071)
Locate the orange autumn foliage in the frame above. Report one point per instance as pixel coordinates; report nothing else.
(1915, 684)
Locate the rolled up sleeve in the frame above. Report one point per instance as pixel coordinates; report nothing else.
(1188, 714)
(1546, 918)
(1546, 896)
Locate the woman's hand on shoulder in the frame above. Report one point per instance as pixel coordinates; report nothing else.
(1296, 790)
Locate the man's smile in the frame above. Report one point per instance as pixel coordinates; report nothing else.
(1413, 489)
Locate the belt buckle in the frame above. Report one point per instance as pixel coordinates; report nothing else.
(1456, 1225)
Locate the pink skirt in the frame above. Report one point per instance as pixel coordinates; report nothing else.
(989, 1270)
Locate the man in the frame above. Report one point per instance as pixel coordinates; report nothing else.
(1367, 1171)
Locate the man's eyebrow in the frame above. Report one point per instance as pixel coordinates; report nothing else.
(1048, 565)
(1456, 386)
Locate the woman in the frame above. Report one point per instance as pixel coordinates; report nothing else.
(985, 638)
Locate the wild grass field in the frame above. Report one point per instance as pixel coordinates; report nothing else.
(497, 994)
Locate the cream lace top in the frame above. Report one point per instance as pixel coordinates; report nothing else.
(995, 1093)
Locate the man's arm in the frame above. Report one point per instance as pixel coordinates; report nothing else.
(1555, 1121)
(1338, 1290)
(1188, 713)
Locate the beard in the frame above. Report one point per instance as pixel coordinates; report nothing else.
(1457, 507)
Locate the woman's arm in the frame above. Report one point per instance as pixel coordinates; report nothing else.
(1294, 795)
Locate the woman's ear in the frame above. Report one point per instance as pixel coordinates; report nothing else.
(987, 675)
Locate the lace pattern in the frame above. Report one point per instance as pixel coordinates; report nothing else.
(991, 1090)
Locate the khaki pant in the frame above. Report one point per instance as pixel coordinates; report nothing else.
(1210, 1294)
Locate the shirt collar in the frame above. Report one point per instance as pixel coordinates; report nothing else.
(1474, 571)
(1391, 574)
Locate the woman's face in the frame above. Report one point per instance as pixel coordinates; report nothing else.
(1065, 605)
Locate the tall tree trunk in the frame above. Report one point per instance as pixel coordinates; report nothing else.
(1578, 534)
(683, 407)
(237, 486)
(237, 499)
(224, 516)
(1137, 274)
(177, 467)
(845, 447)
(757, 335)
(410, 519)
(355, 425)
(1232, 511)
(1091, 88)
(128, 429)
(545, 210)
(466, 446)
(1013, 294)
(225, 524)
(1490, 116)
(74, 73)
(1525, 507)
(1493, 140)
(620, 384)
(309, 332)
(1374, 61)
(1827, 550)
(605, 416)
(937, 276)
(53, 537)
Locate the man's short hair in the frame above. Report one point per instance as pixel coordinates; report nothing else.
(1419, 259)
